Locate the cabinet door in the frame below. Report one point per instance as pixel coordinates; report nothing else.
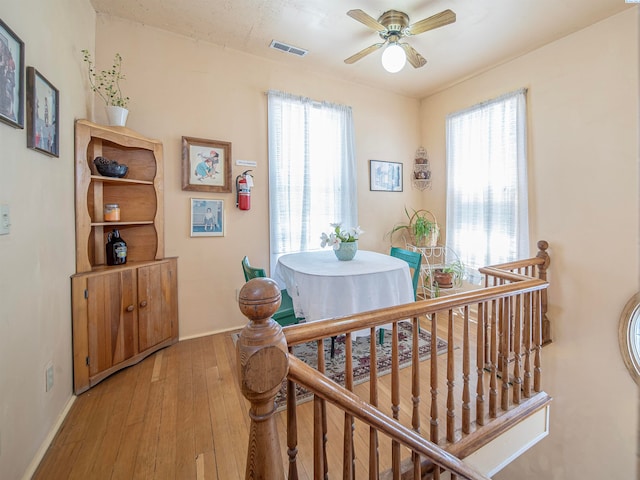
(111, 318)
(156, 304)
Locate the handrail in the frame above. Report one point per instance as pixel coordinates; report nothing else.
(322, 386)
(302, 333)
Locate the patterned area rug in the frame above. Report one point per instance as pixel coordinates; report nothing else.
(334, 367)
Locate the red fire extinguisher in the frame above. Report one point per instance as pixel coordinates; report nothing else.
(244, 183)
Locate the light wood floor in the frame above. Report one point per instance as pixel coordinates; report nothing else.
(179, 414)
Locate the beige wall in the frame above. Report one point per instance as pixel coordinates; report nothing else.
(38, 257)
(583, 149)
(178, 87)
(583, 168)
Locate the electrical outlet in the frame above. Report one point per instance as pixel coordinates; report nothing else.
(5, 220)
(49, 376)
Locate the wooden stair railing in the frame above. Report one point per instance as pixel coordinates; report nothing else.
(505, 369)
(494, 276)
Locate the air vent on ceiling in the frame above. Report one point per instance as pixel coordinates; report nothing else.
(283, 47)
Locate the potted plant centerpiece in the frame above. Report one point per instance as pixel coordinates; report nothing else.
(421, 227)
(106, 84)
(343, 241)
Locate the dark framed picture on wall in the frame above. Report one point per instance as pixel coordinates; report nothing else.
(206, 165)
(11, 77)
(42, 114)
(207, 217)
(385, 176)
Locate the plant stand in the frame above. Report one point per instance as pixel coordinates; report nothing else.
(434, 258)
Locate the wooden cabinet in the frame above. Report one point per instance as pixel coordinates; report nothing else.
(121, 313)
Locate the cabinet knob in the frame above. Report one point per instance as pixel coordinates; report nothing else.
(143, 304)
(130, 308)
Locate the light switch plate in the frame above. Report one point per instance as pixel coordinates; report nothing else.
(5, 220)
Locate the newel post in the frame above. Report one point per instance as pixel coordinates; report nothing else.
(543, 245)
(263, 363)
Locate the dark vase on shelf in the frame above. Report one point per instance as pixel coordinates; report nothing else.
(116, 249)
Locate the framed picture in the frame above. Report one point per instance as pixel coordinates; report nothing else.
(206, 165)
(42, 114)
(207, 217)
(11, 77)
(385, 176)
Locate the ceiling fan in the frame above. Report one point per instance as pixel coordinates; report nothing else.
(392, 26)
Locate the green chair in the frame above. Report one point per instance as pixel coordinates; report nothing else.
(285, 314)
(413, 259)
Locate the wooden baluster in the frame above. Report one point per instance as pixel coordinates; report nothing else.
(320, 465)
(526, 334)
(487, 338)
(292, 429)
(493, 363)
(480, 364)
(505, 316)
(537, 341)
(451, 405)
(263, 363)
(466, 370)
(517, 346)
(374, 463)
(318, 457)
(348, 453)
(415, 391)
(511, 305)
(434, 379)
(542, 275)
(395, 397)
(501, 330)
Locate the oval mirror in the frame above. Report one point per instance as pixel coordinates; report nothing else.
(629, 336)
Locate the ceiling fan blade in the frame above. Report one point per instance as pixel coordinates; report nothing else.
(438, 20)
(367, 20)
(413, 56)
(363, 53)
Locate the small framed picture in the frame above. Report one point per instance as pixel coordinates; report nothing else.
(11, 77)
(207, 217)
(42, 114)
(206, 165)
(385, 176)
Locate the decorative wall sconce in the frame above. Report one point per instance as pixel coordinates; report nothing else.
(421, 170)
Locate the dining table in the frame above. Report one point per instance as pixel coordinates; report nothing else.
(321, 286)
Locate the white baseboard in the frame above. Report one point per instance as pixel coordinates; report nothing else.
(31, 469)
(212, 332)
(503, 450)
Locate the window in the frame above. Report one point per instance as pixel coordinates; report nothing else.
(312, 171)
(487, 205)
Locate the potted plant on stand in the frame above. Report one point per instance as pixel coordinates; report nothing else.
(451, 274)
(421, 227)
(106, 84)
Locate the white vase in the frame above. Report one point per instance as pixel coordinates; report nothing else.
(117, 116)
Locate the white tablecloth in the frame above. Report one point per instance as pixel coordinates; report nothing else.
(321, 286)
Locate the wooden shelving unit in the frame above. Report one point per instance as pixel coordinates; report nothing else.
(122, 313)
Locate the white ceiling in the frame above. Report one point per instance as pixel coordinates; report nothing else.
(486, 33)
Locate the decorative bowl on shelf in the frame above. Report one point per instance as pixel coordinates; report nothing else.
(110, 168)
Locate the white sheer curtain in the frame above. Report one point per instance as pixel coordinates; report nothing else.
(312, 171)
(487, 202)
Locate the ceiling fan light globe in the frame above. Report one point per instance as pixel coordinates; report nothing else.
(394, 58)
